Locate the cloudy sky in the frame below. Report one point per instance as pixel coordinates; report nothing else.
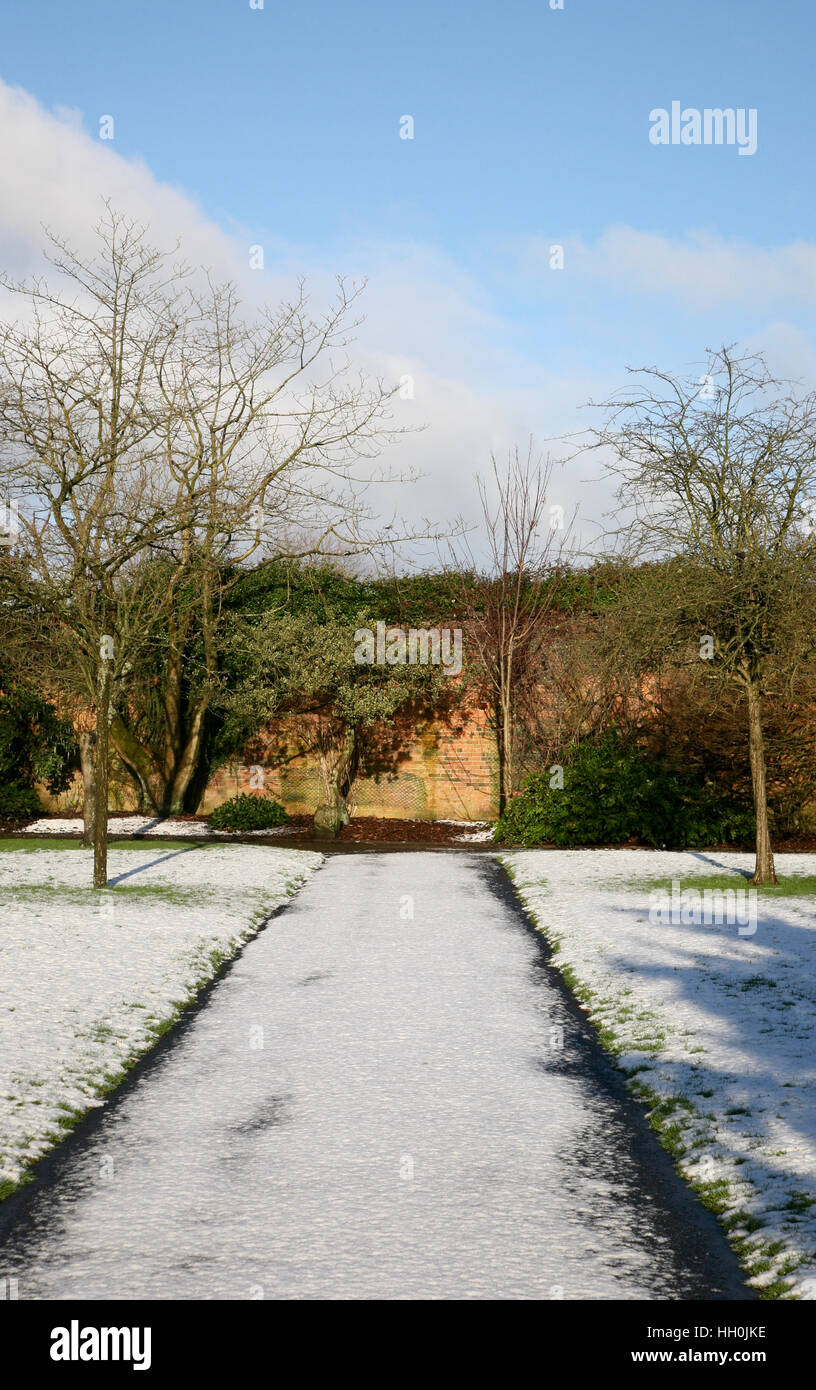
(281, 126)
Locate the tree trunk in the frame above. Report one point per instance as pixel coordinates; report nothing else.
(331, 815)
(504, 728)
(188, 762)
(764, 868)
(141, 764)
(339, 771)
(507, 743)
(100, 875)
(86, 740)
(504, 746)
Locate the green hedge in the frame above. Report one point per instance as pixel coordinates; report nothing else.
(35, 746)
(613, 793)
(18, 803)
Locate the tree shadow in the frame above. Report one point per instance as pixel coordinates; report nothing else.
(140, 868)
(756, 1073)
(728, 868)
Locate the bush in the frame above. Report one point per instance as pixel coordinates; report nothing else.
(18, 803)
(248, 813)
(35, 745)
(612, 793)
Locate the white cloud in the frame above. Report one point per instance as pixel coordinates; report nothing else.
(53, 173)
(476, 388)
(697, 270)
(70, 116)
(424, 316)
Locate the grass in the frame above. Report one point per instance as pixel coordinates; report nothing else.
(31, 844)
(677, 1123)
(757, 1256)
(206, 961)
(796, 886)
(61, 894)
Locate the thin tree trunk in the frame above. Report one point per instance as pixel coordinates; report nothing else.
(173, 736)
(86, 740)
(504, 734)
(507, 740)
(100, 877)
(764, 868)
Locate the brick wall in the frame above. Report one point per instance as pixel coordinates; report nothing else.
(434, 771)
(442, 769)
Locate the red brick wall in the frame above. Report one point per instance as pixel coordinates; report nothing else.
(440, 770)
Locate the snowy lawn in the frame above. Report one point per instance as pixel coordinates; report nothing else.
(144, 826)
(714, 1024)
(89, 980)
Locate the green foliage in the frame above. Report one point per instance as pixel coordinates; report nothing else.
(35, 746)
(246, 812)
(291, 662)
(430, 598)
(322, 592)
(303, 598)
(17, 803)
(613, 793)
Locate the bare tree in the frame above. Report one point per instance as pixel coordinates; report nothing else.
(508, 606)
(718, 480)
(82, 453)
(156, 441)
(270, 440)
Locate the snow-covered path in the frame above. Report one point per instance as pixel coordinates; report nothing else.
(387, 1096)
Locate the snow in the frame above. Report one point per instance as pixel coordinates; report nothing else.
(477, 831)
(404, 1128)
(386, 1097)
(121, 827)
(480, 835)
(722, 1017)
(86, 978)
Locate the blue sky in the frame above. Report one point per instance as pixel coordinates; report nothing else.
(527, 120)
(281, 126)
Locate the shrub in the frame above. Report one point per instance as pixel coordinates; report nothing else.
(18, 803)
(248, 813)
(35, 745)
(612, 793)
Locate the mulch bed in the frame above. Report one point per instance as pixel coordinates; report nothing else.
(384, 830)
(361, 830)
(377, 830)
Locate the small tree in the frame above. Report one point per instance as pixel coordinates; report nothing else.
(508, 607)
(83, 452)
(718, 479)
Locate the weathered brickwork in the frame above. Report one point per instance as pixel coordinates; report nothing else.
(437, 770)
